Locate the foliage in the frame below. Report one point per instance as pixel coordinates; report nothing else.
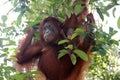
(103, 40)
(71, 49)
(102, 8)
(35, 11)
(106, 67)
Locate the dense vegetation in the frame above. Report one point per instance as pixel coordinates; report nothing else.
(104, 65)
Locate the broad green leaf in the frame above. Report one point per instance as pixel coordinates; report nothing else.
(13, 58)
(70, 46)
(63, 42)
(74, 36)
(79, 30)
(94, 26)
(78, 8)
(81, 54)
(20, 76)
(62, 53)
(9, 68)
(68, 11)
(100, 13)
(118, 22)
(73, 59)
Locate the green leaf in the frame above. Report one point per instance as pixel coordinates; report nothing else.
(116, 42)
(2, 55)
(102, 52)
(104, 11)
(4, 18)
(118, 22)
(70, 46)
(79, 30)
(68, 11)
(110, 42)
(113, 12)
(74, 36)
(112, 31)
(63, 42)
(109, 6)
(81, 54)
(35, 72)
(13, 58)
(9, 68)
(100, 13)
(20, 76)
(19, 19)
(73, 59)
(78, 8)
(62, 53)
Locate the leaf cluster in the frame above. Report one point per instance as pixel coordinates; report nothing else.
(103, 9)
(71, 48)
(103, 39)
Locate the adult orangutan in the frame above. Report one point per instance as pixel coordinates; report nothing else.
(46, 49)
